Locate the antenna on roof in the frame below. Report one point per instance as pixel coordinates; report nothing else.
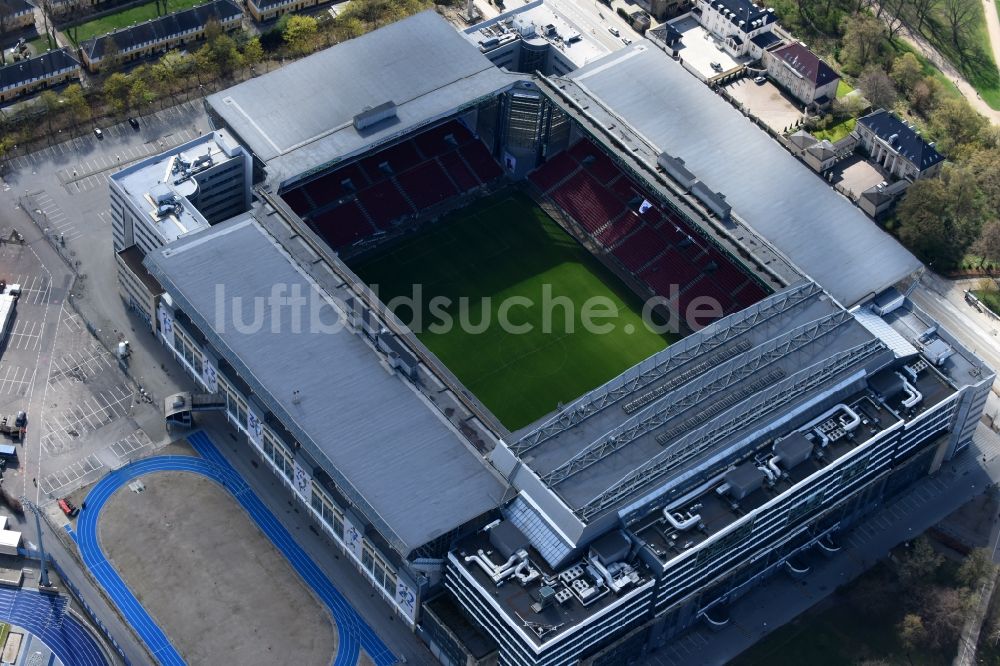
(296, 397)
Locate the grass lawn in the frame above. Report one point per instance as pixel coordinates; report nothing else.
(843, 87)
(112, 22)
(990, 299)
(503, 247)
(40, 45)
(838, 131)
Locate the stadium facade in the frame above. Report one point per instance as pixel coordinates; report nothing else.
(651, 502)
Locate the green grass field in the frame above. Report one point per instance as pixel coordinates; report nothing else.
(112, 22)
(836, 132)
(503, 247)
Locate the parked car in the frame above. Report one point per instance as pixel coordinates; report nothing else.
(21, 420)
(98, 133)
(716, 66)
(614, 31)
(134, 123)
(68, 508)
(626, 41)
(760, 80)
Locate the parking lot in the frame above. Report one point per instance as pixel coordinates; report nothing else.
(699, 49)
(767, 102)
(84, 415)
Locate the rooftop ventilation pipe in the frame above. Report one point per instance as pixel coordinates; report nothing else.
(680, 523)
(913, 396)
(772, 465)
(498, 573)
(609, 580)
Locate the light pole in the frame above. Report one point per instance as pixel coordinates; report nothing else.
(44, 569)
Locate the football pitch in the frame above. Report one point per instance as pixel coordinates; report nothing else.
(485, 264)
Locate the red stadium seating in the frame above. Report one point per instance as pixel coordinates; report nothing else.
(384, 203)
(657, 245)
(342, 225)
(426, 184)
(425, 171)
(454, 166)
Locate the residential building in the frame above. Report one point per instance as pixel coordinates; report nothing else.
(735, 23)
(160, 34)
(878, 200)
(27, 76)
(15, 15)
(803, 74)
(170, 195)
(897, 146)
(265, 10)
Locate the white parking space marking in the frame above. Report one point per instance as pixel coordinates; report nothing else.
(72, 321)
(80, 366)
(124, 448)
(56, 481)
(25, 335)
(15, 380)
(88, 416)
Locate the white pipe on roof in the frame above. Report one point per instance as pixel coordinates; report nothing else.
(683, 523)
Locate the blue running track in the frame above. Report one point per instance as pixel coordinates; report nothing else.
(354, 633)
(45, 616)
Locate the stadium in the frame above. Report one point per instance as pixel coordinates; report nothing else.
(560, 496)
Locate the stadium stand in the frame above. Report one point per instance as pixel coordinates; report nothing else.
(400, 181)
(649, 240)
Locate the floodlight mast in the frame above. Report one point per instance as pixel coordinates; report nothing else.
(44, 580)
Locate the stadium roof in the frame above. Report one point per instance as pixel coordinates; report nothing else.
(819, 230)
(300, 118)
(371, 431)
(659, 424)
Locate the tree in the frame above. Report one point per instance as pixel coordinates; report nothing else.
(961, 16)
(956, 125)
(253, 53)
(907, 71)
(116, 91)
(227, 57)
(863, 41)
(911, 632)
(51, 104)
(300, 34)
(76, 103)
(924, 95)
(933, 227)
(921, 560)
(944, 616)
(978, 565)
(921, 9)
(205, 64)
(139, 94)
(878, 88)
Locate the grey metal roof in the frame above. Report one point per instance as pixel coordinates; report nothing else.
(370, 430)
(816, 228)
(300, 117)
(679, 403)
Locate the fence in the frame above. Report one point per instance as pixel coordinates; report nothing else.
(974, 301)
(78, 596)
